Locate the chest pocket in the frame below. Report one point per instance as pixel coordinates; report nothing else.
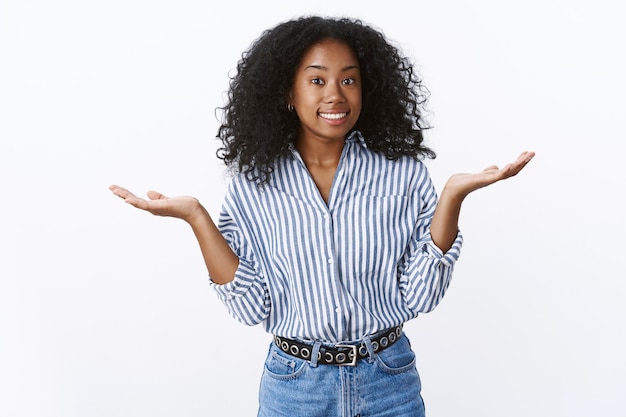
(381, 229)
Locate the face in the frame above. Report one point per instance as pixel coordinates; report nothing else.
(326, 93)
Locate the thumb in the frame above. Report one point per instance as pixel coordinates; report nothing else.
(155, 195)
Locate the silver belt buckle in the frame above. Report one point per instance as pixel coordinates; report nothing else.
(353, 352)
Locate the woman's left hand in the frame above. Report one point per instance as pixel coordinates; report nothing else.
(460, 185)
(444, 226)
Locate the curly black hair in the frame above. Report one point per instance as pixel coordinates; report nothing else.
(257, 127)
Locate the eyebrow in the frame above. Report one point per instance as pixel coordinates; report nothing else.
(323, 68)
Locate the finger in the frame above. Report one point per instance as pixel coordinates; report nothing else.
(528, 155)
(136, 202)
(524, 158)
(514, 168)
(491, 168)
(155, 195)
(153, 206)
(116, 188)
(121, 192)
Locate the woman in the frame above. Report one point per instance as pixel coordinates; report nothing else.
(332, 234)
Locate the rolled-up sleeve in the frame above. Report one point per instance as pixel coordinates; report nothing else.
(246, 296)
(426, 272)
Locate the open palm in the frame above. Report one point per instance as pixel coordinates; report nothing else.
(184, 207)
(462, 184)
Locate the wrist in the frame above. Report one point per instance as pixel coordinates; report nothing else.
(197, 216)
(452, 195)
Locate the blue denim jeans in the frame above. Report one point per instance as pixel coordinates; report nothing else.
(384, 384)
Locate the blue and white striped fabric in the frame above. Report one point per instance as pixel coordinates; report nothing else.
(339, 271)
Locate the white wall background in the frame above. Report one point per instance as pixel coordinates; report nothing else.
(106, 311)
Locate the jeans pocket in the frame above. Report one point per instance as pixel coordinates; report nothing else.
(281, 366)
(398, 358)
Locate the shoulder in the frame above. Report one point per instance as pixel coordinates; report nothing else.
(240, 187)
(407, 161)
(250, 182)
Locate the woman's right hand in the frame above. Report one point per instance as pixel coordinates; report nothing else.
(184, 207)
(219, 258)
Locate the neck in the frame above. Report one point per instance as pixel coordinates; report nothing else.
(321, 153)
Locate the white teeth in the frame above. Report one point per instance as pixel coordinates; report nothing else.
(333, 116)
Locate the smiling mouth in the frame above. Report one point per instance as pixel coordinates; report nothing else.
(333, 116)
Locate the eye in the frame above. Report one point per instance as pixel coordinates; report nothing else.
(349, 81)
(317, 81)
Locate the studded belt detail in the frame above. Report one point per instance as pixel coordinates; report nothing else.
(342, 355)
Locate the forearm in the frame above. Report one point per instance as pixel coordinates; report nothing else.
(445, 223)
(219, 258)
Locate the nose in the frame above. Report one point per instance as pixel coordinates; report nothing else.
(333, 93)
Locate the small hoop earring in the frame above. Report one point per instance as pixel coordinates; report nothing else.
(290, 107)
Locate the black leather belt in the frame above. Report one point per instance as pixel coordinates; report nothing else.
(342, 355)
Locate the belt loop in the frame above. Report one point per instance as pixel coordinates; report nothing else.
(315, 353)
(370, 349)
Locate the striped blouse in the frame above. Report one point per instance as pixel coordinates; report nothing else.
(339, 271)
